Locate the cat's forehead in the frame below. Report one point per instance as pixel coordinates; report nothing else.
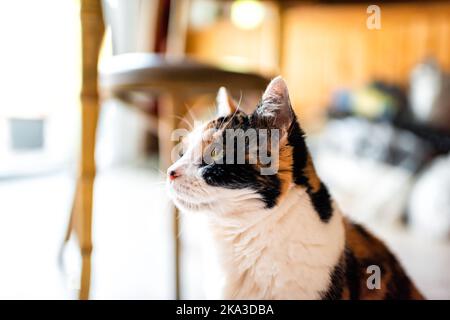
(205, 133)
(236, 120)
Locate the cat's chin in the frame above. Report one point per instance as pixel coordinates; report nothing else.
(190, 207)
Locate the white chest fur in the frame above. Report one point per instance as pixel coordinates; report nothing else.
(283, 253)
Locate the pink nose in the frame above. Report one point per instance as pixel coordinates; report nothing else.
(173, 174)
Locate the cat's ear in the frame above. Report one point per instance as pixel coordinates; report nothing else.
(275, 107)
(225, 103)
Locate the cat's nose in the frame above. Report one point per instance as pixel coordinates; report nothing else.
(173, 174)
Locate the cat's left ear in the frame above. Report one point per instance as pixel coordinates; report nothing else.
(275, 109)
(225, 103)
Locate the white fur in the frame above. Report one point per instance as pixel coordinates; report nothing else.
(283, 253)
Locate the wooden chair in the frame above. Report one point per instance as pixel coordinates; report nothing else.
(126, 76)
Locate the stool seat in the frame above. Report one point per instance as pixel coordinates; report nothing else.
(153, 72)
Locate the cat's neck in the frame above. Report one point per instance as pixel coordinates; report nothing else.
(284, 252)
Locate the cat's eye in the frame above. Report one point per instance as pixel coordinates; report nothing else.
(180, 152)
(216, 155)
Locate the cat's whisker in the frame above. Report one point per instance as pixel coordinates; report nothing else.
(193, 116)
(174, 116)
(240, 101)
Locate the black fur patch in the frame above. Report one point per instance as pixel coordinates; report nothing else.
(352, 274)
(322, 202)
(321, 199)
(239, 176)
(300, 153)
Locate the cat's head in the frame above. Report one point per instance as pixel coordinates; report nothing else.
(238, 161)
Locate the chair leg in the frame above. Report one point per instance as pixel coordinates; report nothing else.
(83, 225)
(92, 30)
(172, 107)
(82, 219)
(85, 282)
(177, 251)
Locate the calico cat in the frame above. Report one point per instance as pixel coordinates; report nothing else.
(281, 235)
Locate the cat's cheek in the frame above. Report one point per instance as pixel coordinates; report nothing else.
(200, 172)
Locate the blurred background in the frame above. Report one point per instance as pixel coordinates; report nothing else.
(371, 87)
